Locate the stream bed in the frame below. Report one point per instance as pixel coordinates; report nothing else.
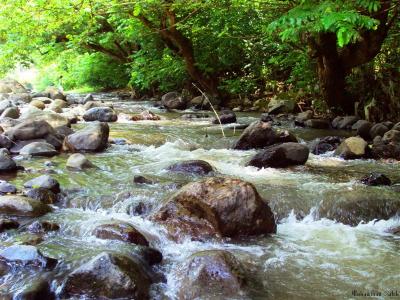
(308, 258)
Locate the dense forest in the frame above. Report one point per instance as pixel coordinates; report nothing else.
(340, 57)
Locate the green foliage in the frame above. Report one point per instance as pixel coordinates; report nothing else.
(162, 71)
(340, 17)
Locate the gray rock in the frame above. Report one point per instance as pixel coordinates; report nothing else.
(6, 162)
(317, 123)
(29, 130)
(93, 138)
(79, 161)
(212, 274)
(199, 167)
(11, 112)
(102, 114)
(20, 206)
(108, 276)
(7, 188)
(173, 100)
(378, 130)
(261, 134)
(281, 156)
(347, 122)
(38, 149)
(27, 255)
(44, 181)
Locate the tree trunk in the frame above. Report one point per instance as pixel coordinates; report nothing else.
(332, 84)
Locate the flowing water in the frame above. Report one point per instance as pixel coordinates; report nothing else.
(308, 257)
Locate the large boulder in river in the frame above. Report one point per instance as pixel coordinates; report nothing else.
(363, 129)
(108, 276)
(216, 207)
(281, 156)
(38, 149)
(198, 167)
(352, 148)
(173, 100)
(21, 206)
(93, 138)
(11, 86)
(29, 130)
(102, 114)
(120, 231)
(78, 161)
(212, 274)
(258, 135)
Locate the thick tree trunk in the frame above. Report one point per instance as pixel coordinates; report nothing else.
(332, 84)
(183, 47)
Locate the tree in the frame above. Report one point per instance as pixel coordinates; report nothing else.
(341, 35)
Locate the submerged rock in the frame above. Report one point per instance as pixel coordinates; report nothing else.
(121, 231)
(78, 161)
(352, 148)
(302, 117)
(93, 138)
(212, 274)
(45, 182)
(108, 276)
(281, 156)
(102, 114)
(20, 206)
(43, 226)
(353, 208)
(198, 167)
(374, 179)
(27, 255)
(216, 207)
(142, 180)
(258, 135)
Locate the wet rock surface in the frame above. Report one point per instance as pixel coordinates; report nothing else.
(216, 207)
(281, 156)
(110, 276)
(198, 167)
(93, 138)
(20, 206)
(212, 275)
(120, 231)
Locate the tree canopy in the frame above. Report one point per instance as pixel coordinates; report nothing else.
(229, 48)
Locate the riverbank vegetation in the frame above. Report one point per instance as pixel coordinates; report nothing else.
(338, 56)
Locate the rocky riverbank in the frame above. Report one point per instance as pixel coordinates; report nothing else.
(107, 198)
